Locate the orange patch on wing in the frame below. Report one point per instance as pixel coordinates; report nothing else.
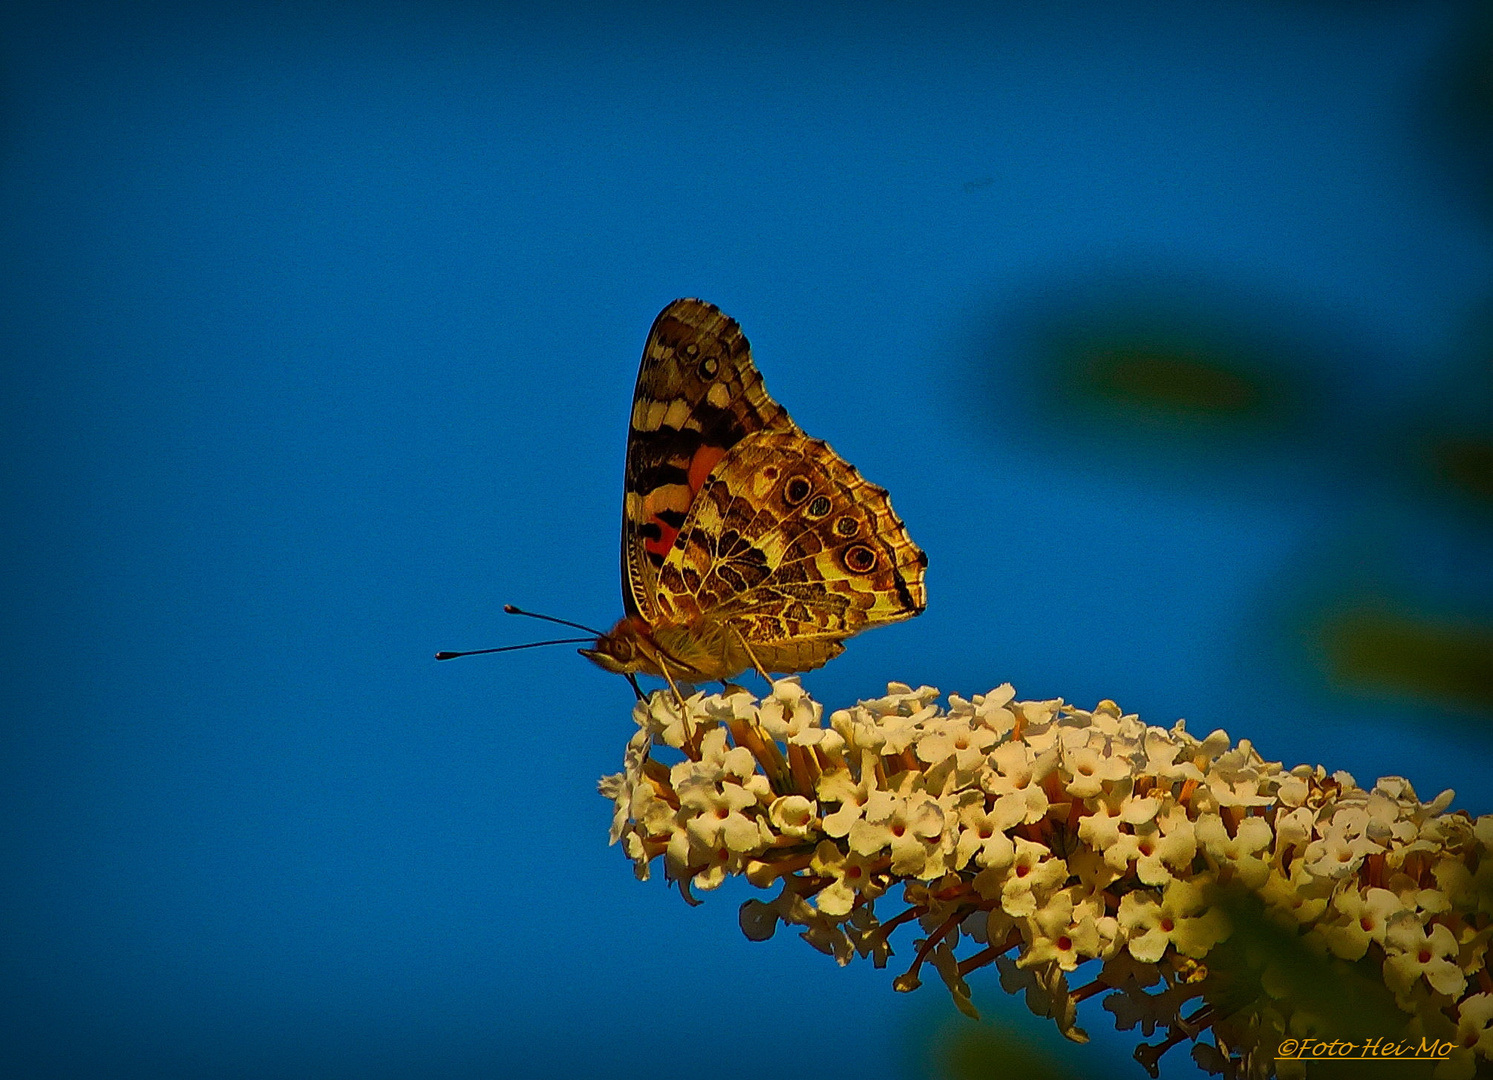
(665, 541)
(705, 459)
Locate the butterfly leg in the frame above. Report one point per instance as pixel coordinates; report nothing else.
(753, 656)
(678, 697)
(692, 734)
(636, 689)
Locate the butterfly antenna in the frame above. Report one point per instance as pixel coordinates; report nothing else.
(511, 648)
(511, 610)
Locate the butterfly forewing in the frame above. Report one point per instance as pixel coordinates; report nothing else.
(697, 395)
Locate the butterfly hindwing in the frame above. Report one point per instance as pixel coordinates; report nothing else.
(788, 547)
(698, 394)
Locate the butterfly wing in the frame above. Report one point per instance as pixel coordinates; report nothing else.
(788, 547)
(698, 394)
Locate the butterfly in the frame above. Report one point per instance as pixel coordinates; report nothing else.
(746, 544)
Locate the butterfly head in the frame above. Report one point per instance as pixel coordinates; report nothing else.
(622, 650)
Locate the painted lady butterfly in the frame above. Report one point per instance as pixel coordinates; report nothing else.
(745, 543)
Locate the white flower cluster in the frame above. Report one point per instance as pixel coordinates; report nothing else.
(1041, 838)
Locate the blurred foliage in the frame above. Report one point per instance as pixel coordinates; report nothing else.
(1377, 648)
(1176, 380)
(987, 1051)
(1153, 360)
(1465, 464)
(1458, 108)
(1452, 429)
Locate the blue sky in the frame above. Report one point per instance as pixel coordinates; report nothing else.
(320, 336)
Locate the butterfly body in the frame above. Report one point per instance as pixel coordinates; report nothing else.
(745, 542)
